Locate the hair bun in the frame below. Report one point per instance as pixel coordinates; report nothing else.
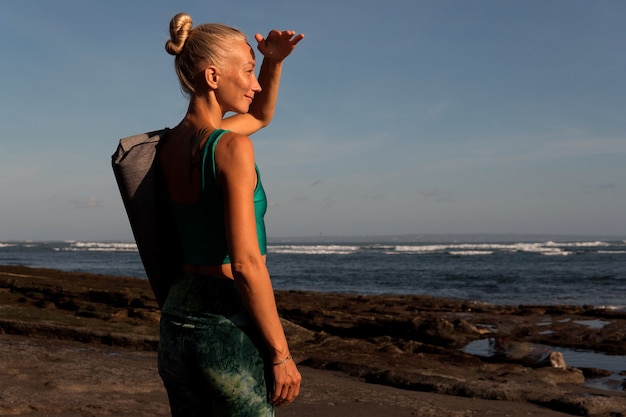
(180, 25)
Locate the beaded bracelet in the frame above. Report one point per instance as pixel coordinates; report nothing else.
(288, 358)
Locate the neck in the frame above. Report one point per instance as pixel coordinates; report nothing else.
(203, 111)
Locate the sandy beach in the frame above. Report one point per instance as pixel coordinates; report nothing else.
(47, 377)
(76, 345)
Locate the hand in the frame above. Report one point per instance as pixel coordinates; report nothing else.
(278, 45)
(286, 383)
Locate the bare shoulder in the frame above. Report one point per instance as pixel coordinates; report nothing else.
(233, 150)
(236, 142)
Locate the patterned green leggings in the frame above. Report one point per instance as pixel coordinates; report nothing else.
(209, 362)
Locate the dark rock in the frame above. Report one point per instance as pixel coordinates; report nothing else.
(595, 372)
(409, 341)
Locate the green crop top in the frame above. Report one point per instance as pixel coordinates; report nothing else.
(200, 225)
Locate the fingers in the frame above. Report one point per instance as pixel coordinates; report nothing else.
(291, 37)
(275, 35)
(278, 45)
(287, 380)
(285, 396)
(296, 38)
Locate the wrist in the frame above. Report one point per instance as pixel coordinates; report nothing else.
(275, 61)
(278, 354)
(282, 361)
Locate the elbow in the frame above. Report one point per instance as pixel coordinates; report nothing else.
(264, 120)
(247, 267)
(262, 117)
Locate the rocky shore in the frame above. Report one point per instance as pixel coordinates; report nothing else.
(75, 344)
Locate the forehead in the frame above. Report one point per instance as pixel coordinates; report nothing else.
(242, 53)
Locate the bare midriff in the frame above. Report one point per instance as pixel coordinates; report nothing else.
(222, 271)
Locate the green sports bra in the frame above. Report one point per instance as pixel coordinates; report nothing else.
(200, 225)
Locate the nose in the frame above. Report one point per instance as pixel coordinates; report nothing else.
(256, 87)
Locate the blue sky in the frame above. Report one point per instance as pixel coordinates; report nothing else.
(394, 117)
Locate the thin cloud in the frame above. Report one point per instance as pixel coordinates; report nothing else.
(599, 188)
(433, 194)
(90, 202)
(328, 202)
(376, 196)
(436, 111)
(586, 146)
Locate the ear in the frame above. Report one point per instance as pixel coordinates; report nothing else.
(212, 77)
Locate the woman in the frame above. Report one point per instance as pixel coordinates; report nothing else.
(222, 351)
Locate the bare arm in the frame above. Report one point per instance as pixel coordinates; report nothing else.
(236, 172)
(275, 48)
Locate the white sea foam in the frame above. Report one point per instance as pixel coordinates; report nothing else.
(100, 247)
(313, 249)
(470, 252)
(578, 244)
(557, 253)
(421, 248)
(482, 248)
(617, 308)
(6, 245)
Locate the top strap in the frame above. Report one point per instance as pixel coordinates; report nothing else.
(214, 137)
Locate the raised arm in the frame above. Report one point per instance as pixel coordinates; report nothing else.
(275, 48)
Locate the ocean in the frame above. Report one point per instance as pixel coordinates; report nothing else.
(499, 269)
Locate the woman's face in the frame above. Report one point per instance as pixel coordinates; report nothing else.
(238, 83)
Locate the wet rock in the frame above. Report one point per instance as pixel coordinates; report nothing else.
(594, 406)
(554, 376)
(554, 360)
(411, 342)
(595, 373)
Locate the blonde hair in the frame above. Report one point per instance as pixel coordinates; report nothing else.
(196, 48)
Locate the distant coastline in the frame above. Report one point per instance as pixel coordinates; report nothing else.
(450, 237)
(393, 238)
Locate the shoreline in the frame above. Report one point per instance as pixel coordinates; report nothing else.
(411, 343)
(511, 273)
(617, 308)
